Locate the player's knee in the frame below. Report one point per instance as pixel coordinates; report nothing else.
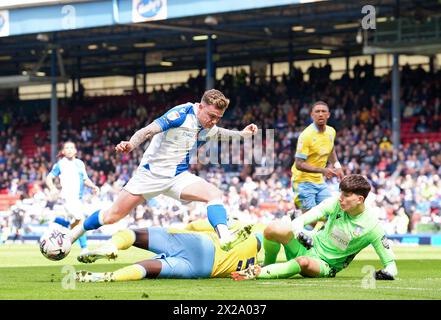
(214, 195)
(303, 262)
(269, 232)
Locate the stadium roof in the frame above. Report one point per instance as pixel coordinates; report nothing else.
(272, 34)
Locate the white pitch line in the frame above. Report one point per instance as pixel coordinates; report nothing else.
(347, 286)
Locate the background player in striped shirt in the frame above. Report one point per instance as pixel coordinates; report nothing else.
(73, 177)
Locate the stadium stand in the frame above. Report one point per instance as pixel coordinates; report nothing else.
(407, 184)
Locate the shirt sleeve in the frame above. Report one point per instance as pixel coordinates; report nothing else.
(172, 119)
(55, 170)
(302, 150)
(326, 207)
(83, 169)
(382, 246)
(226, 134)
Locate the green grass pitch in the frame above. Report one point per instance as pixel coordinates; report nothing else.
(26, 274)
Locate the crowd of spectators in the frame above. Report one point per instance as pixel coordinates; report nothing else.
(406, 181)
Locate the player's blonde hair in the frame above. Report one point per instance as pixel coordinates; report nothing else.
(216, 98)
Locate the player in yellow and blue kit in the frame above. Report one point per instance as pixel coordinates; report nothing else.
(179, 254)
(315, 147)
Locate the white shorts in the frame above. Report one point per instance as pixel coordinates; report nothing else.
(74, 209)
(150, 185)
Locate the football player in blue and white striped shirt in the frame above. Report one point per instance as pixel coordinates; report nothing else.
(73, 177)
(164, 166)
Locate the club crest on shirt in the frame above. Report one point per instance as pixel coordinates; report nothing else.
(358, 230)
(330, 137)
(173, 115)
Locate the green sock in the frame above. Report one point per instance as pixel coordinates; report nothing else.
(280, 270)
(293, 249)
(271, 251)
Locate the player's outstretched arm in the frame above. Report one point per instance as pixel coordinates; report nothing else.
(139, 137)
(312, 215)
(248, 131)
(384, 251)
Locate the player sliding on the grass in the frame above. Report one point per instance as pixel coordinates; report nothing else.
(164, 167)
(350, 228)
(180, 254)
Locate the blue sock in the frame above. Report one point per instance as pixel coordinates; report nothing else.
(216, 214)
(62, 222)
(93, 221)
(83, 241)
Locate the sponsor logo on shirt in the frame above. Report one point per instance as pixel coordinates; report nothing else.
(173, 115)
(339, 239)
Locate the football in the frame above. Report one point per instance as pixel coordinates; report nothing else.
(55, 243)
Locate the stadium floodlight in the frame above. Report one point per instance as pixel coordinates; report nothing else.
(40, 74)
(92, 47)
(347, 25)
(166, 63)
(319, 51)
(210, 20)
(309, 30)
(42, 37)
(359, 37)
(203, 37)
(112, 48)
(5, 58)
(144, 44)
(297, 28)
(382, 19)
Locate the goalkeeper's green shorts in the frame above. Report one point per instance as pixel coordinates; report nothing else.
(294, 249)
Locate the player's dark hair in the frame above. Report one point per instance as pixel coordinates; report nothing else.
(319, 103)
(355, 183)
(216, 98)
(60, 152)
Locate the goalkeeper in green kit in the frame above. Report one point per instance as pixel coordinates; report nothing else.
(350, 228)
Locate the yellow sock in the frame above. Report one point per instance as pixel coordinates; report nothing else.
(132, 272)
(124, 239)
